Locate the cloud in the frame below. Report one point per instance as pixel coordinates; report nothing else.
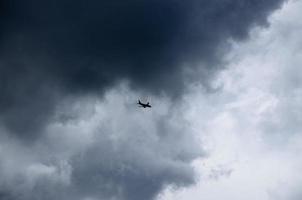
(70, 74)
(253, 125)
(103, 150)
(56, 48)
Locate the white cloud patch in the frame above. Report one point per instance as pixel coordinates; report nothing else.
(252, 127)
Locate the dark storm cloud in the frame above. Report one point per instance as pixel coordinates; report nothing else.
(75, 47)
(63, 50)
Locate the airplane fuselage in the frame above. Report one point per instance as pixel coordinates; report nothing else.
(144, 105)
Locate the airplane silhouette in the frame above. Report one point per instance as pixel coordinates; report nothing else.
(144, 105)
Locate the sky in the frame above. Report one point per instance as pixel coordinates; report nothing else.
(223, 79)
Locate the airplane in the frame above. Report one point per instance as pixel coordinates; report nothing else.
(144, 105)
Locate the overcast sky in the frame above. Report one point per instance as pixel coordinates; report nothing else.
(223, 78)
(252, 127)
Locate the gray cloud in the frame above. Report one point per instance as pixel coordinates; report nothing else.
(122, 154)
(55, 48)
(58, 57)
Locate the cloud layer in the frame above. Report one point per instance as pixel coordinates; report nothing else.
(78, 47)
(70, 74)
(102, 150)
(252, 127)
